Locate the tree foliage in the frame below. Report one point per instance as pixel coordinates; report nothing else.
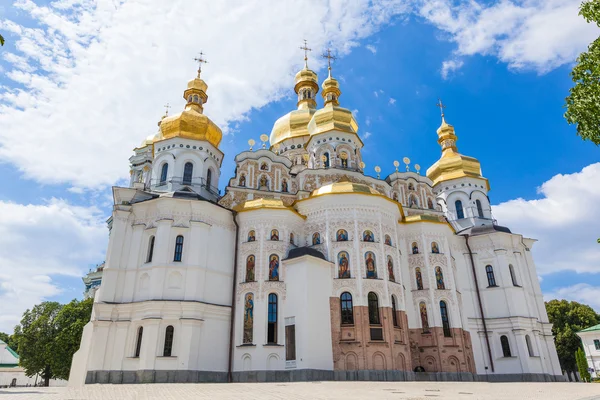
(582, 365)
(583, 102)
(1, 40)
(10, 340)
(569, 317)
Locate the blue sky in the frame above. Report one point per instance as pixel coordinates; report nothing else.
(71, 110)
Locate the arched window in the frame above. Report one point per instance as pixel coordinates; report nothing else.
(430, 204)
(445, 320)
(326, 160)
(529, 346)
(505, 346)
(370, 265)
(163, 173)
(347, 310)
(188, 169)
(341, 235)
(489, 271)
(343, 265)
(513, 277)
(208, 178)
(394, 312)
(150, 249)
(138, 343)
(272, 327)
(273, 267)
(196, 98)
(479, 208)
(178, 248)
(316, 238)
(439, 278)
(168, 341)
(373, 309)
(419, 278)
(460, 214)
(250, 267)
(275, 235)
(248, 318)
(251, 236)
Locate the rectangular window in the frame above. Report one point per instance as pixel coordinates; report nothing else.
(290, 342)
(597, 344)
(272, 327)
(376, 333)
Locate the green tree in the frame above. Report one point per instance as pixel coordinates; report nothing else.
(569, 317)
(583, 102)
(69, 322)
(35, 338)
(10, 340)
(582, 365)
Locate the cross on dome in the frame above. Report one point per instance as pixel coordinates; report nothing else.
(441, 106)
(167, 106)
(329, 57)
(200, 60)
(306, 50)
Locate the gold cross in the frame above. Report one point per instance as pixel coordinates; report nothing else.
(329, 57)
(306, 50)
(200, 60)
(167, 106)
(441, 106)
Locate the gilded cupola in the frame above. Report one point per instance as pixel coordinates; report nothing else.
(332, 116)
(191, 123)
(294, 124)
(452, 164)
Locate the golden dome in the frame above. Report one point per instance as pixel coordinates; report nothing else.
(331, 90)
(191, 123)
(452, 164)
(345, 187)
(332, 117)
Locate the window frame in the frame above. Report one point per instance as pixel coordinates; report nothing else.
(479, 208)
(138, 342)
(491, 278)
(394, 313)
(505, 344)
(187, 174)
(168, 344)
(150, 252)
(373, 307)
(272, 318)
(164, 174)
(346, 309)
(513, 276)
(460, 211)
(178, 253)
(445, 319)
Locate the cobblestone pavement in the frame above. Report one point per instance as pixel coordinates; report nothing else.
(315, 390)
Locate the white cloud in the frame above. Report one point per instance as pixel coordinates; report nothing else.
(564, 220)
(371, 48)
(582, 293)
(40, 242)
(90, 80)
(392, 101)
(366, 135)
(527, 34)
(449, 66)
(376, 93)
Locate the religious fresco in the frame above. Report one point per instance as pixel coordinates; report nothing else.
(343, 265)
(411, 186)
(273, 267)
(390, 266)
(412, 202)
(419, 277)
(242, 181)
(264, 167)
(275, 235)
(388, 240)
(370, 264)
(395, 196)
(341, 235)
(316, 238)
(250, 269)
(424, 319)
(430, 204)
(368, 236)
(435, 248)
(415, 248)
(291, 237)
(248, 317)
(251, 236)
(439, 278)
(264, 182)
(284, 185)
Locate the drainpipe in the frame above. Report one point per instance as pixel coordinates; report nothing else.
(485, 331)
(233, 287)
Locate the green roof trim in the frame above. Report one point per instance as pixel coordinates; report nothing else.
(591, 328)
(11, 351)
(9, 365)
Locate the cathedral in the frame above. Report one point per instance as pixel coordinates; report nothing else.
(306, 268)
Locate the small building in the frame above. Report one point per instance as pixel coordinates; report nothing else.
(590, 338)
(92, 281)
(12, 375)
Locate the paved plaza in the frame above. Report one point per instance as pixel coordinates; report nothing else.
(315, 390)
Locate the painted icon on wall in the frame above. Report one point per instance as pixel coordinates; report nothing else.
(316, 238)
(251, 236)
(291, 237)
(242, 180)
(273, 267)
(343, 265)
(390, 266)
(264, 167)
(284, 185)
(250, 269)
(368, 236)
(435, 248)
(370, 264)
(264, 182)
(439, 278)
(424, 320)
(248, 317)
(415, 248)
(388, 240)
(419, 278)
(275, 235)
(342, 235)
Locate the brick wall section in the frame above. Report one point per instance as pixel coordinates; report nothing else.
(401, 349)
